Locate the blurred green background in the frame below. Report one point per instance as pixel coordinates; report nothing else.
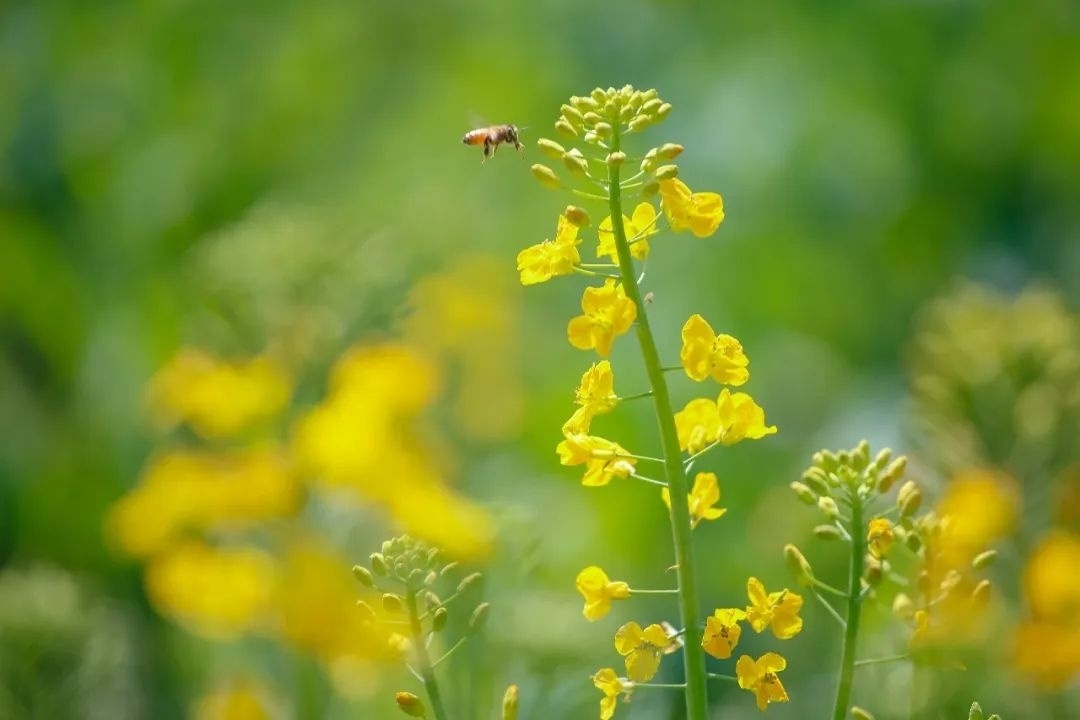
(283, 174)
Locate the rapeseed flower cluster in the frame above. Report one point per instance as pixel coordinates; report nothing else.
(656, 199)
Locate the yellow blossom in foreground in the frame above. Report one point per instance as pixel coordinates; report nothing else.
(608, 313)
(594, 396)
(637, 229)
(978, 507)
(732, 418)
(1048, 653)
(699, 212)
(215, 397)
(642, 649)
(705, 354)
(243, 700)
(879, 536)
(778, 610)
(722, 632)
(760, 677)
(215, 592)
(603, 459)
(607, 682)
(545, 260)
(704, 495)
(599, 591)
(1052, 579)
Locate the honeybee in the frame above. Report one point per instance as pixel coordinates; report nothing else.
(492, 137)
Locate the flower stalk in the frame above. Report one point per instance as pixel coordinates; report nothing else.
(423, 660)
(694, 662)
(854, 610)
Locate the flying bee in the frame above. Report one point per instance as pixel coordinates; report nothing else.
(492, 137)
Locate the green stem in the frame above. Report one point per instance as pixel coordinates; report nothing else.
(423, 660)
(854, 608)
(878, 661)
(697, 702)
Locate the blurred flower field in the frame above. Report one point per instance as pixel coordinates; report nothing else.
(748, 388)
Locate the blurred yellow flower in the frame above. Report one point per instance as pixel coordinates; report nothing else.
(599, 591)
(642, 649)
(183, 490)
(241, 700)
(594, 396)
(543, 261)
(699, 212)
(705, 353)
(1052, 579)
(608, 313)
(879, 536)
(215, 397)
(603, 459)
(215, 592)
(637, 229)
(722, 632)
(778, 610)
(978, 507)
(732, 418)
(760, 677)
(607, 682)
(704, 495)
(1048, 653)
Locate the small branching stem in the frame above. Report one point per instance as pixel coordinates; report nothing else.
(423, 661)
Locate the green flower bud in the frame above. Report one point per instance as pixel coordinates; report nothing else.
(909, 499)
(364, 575)
(432, 599)
(663, 111)
(650, 188)
(546, 176)
(410, 704)
(438, 619)
(577, 217)
(860, 456)
(598, 96)
(667, 172)
(552, 149)
(591, 118)
(882, 459)
(802, 492)
(649, 162)
(903, 607)
(650, 107)
(798, 566)
(603, 130)
(976, 712)
(452, 566)
(392, 603)
(829, 507)
(416, 577)
(980, 596)
(913, 542)
(875, 571)
(510, 703)
(639, 123)
(479, 617)
(378, 564)
(431, 578)
(816, 479)
(572, 114)
(984, 560)
(591, 138)
(615, 159)
(468, 581)
(626, 112)
(859, 713)
(566, 128)
(575, 162)
(669, 151)
(828, 532)
(892, 473)
(826, 460)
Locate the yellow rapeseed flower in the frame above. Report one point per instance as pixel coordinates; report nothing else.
(603, 459)
(637, 228)
(760, 677)
(642, 649)
(594, 396)
(703, 496)
(1052, 580)
(778, 610)
(732, 418)
(241, 700)
(607, 314)
(705, 353)
(722, 632)
(599, 591)
(879, 536)
(607, 682)
(978, 507)
(543, 261)
(699, 212)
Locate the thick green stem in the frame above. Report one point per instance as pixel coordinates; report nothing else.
(697, 702)
(423, 660)
(854, 609)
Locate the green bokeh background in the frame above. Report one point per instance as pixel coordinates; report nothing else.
(177, 173)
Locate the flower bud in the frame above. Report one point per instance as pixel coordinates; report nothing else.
(859, 713)
(432, 600)
(576, 216)
(892, 473)
(438, 619)
(551, 148)
(649, 107)
(650, 188)
(598, 96)
(882, 459)
(663, 111)
(828, 532)
(546, 176)
(909, 499)
(468, 581)
(802, 492)
(565, 128)
(667, 172)
(591, 118)
(575, 162)
(914, 542)
(410, 704)
(392, 603)
(798, 566)
(362, 574)
(816, 479)
(615, 159)
(874, 572)
(669, 151)
(572, 114)
(903, 607)
(826, 460)
(648, 163)
(980, 596)
(452, 566)
(860, 456)
(378, 564)
(976, 712)
(603, 130)
(416, 577)
(431, 577)
(591, 138)
(479, 617)
(510, 703)
(984, 559)
(638, 123)
(829, 507)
